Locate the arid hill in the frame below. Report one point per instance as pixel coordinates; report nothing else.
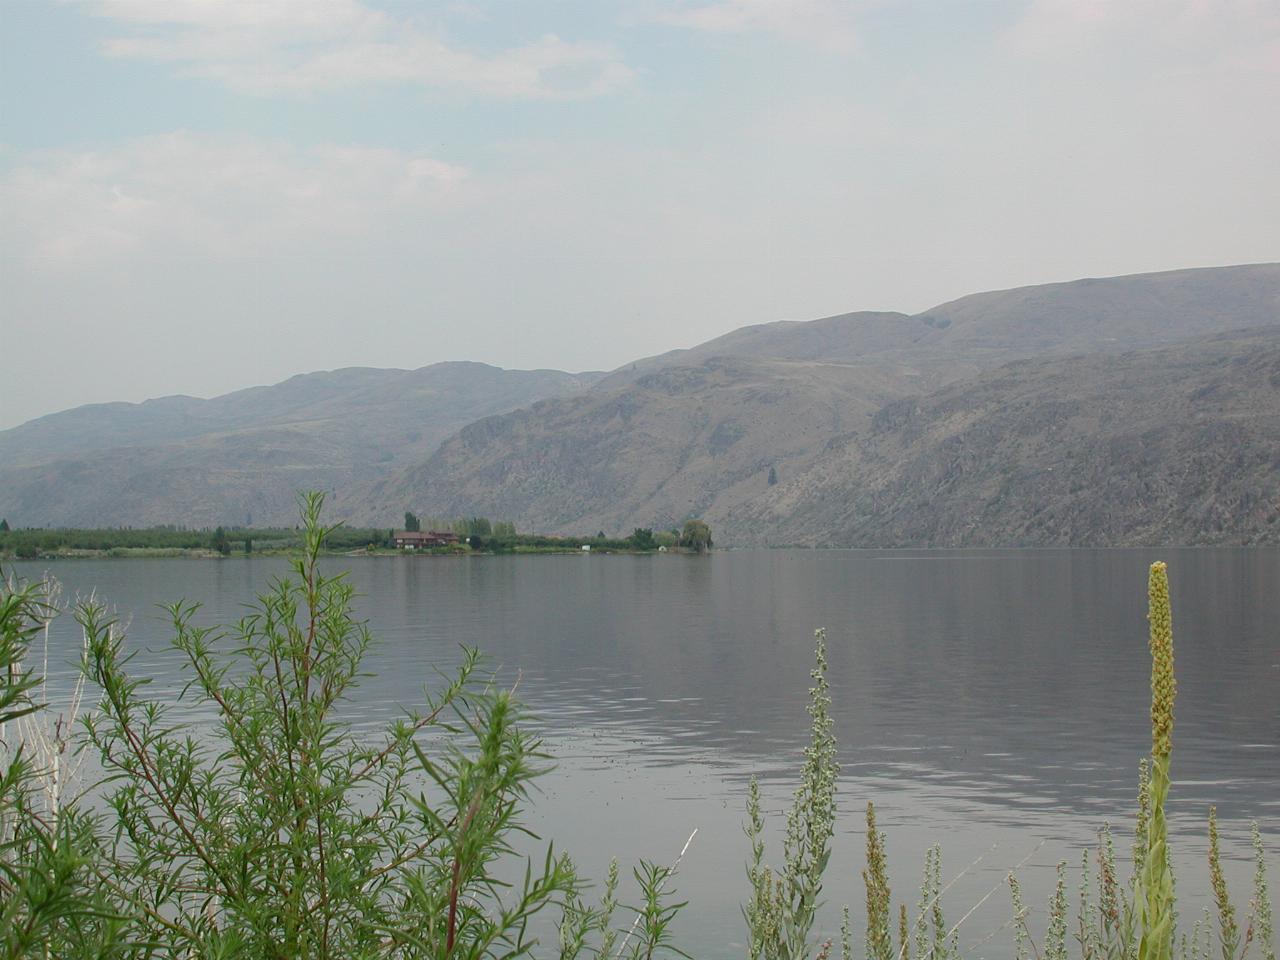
(696, 432)
(679, 441)
(1178, 445)
(241, 456)
(862, 419)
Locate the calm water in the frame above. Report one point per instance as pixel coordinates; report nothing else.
(994, 702)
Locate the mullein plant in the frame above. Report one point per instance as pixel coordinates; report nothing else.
(1155, 913)
(1138, 923)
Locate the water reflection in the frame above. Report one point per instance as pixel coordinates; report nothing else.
(990, 701)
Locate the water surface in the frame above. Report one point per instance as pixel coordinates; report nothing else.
(991, 701)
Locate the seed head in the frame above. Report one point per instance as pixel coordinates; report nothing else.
(1163, 685)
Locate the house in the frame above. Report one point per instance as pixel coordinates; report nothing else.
(420, 540)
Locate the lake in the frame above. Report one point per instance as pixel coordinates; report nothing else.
(994, 702)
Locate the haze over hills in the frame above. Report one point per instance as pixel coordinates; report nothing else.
(678, 441)
(1014, 377)
(241, 455)
(1174, 445)
(695, 432)
(1114, 313)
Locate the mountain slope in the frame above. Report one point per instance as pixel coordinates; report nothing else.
(647, 445)
(242, 455)
(847, 338)
(1168, 446)
(680, 440)
(985, 329)
(688, 432)
(1112, 314)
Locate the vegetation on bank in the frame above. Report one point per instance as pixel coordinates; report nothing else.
(34, 542)
(283, 833)
(477, 535)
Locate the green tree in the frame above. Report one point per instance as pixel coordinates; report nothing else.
(248, 545)
(4, 525)
(221, 543)
(411, 522)
(696, 535)
(642, 539)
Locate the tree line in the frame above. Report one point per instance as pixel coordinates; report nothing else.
(32, 542)
(479, 533)
(501, 535)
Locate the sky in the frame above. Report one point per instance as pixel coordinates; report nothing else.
(202, 195)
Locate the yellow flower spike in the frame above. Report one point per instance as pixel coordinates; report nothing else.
(1163, 685)
(1155, 906)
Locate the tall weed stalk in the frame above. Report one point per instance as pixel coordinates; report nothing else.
(783, 906)
(1138, 922)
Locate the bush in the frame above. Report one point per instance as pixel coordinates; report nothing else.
(290, 837)
(51, 900)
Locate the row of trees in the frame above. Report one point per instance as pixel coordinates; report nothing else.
(462, 526)
(481, 532)
(695, 535)
(34, 542)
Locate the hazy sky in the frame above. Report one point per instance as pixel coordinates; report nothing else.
(202, 196)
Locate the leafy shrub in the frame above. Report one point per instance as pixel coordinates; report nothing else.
(51, 900)
(285, 835)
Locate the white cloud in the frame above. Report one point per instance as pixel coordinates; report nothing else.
(182, 195)
(826, 23)
(1227, 35)
(264, 48)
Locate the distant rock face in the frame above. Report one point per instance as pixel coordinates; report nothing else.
(1171, 446)
(845, 407)
(1122, 410)
(241, 456)
(1112, 315)
(675, 442)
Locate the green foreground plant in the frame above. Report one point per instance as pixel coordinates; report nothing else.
(50, 901)
(1138, 922)
(784, 905)
(284, 835)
